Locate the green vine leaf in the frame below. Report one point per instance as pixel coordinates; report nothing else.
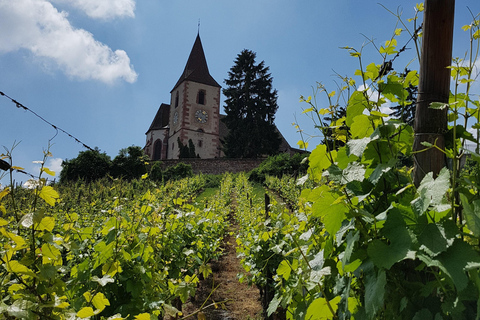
(374, 291)
(319, 310)
(432, 192)
(472, 214)
(357, 147)
(85, 312)
(361, 127)
(320, 159)
(395, 230)
(356, 105)
(328, 208)
(49, 194)
(433, 240)
(455, 261)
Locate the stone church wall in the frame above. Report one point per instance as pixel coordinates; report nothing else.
(215, 166)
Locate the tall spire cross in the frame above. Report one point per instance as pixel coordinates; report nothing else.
(198, 31)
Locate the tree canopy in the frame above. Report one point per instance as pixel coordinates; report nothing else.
(131, 163)
(89, 165)
(251, 103)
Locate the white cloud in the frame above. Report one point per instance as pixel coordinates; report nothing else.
(103, 9)
(53, 164)
(39, 27)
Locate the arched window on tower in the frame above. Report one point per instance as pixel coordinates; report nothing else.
(201, 97)
(157, 150)
(176, 100)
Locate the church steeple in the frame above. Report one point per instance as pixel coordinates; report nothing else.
(196, 69)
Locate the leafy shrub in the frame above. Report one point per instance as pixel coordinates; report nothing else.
(89, 165)
(179, 171)
(156, 173)
(131, 163)
(213, 180)
(279, 165)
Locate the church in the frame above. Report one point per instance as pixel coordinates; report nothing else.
(193, 114)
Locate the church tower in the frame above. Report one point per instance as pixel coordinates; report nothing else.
(195, 108)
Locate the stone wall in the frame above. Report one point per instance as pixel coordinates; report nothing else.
(216, 166)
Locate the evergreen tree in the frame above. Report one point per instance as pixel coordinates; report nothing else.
(185, 151)
(406, 112)
(251, 103)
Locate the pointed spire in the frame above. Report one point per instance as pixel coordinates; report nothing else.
(196, 69)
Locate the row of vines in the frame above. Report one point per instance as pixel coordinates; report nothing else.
(359, 239)
(106, 249)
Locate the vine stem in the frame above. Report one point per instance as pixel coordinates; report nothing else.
(204, 308)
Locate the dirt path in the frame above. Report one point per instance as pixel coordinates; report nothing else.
(243, 300)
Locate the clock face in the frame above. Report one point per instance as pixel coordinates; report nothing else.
(201, 116)
(175, 117)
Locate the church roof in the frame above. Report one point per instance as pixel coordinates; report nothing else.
(161, 118)
(196, 69)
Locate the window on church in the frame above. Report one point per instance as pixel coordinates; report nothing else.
(176, 100)
(201, 97)
(157, 150)
(200, 143)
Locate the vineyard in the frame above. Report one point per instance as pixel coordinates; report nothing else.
(352, 238)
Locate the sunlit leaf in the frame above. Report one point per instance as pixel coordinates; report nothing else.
(284, 269)
(319, 309)
(16, 267)
(4, 192)
(85, 312)
(111, 268)
(438, 105)
(47, 223)
(49, 194)
(100, 301)
(48, 171)
(3, 222)
(356, 105)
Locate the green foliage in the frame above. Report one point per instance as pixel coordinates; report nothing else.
(88, 165)
(178, 171)
(213, 180)
(279, 165)
(106, 249)
(156, 173)
(186, 151)
(405, 109)
(129, 164)
(365, 243)
(251, 104)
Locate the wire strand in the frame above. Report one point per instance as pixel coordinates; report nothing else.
(57, 128)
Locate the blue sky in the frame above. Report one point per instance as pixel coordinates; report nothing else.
(99, 69)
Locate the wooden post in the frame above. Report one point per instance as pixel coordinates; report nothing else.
(434, 86)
